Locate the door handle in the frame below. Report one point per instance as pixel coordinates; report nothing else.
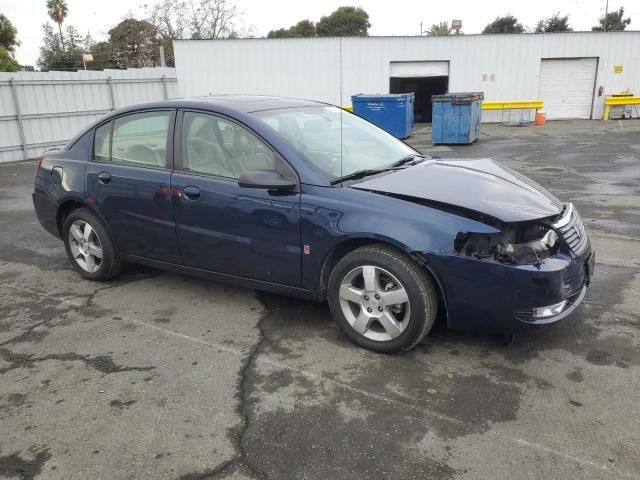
(104, 177)
(192, 193)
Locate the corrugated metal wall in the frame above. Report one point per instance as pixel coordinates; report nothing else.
(333, 69)
(53, 106)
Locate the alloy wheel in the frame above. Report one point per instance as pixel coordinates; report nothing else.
(375, 303)
(86, 247)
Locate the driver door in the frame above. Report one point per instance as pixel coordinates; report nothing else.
(225, 228)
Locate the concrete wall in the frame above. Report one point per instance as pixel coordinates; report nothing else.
(332, 69)
(41, 110)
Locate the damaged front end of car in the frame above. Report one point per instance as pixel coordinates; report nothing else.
(518, 244)
(524, 273)
(530, 242)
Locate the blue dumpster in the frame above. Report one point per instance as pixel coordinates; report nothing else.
(456, 117)
(392, 112)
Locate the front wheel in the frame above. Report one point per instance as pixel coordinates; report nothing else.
(381, 299)
(89, 246)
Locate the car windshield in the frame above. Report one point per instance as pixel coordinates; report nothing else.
(337, 142)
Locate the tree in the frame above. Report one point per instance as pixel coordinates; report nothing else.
(8, 34)
(612, 22)
(195, 19)
(134, 44)
(53, 57)
(280, 33)
(439, 29)
(555, 23)
(344, 22)
(212, 19)
(304, 28)
(7, 62)
(102, 57)
(506, 24)
(58, 11)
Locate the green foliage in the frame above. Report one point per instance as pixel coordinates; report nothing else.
(344, 22)
(506, 24)
(7, 62)
(439, 29)
(58, 11)
(102, 57)
(8, 34)
(54, 57)
(304, 28)
(135, 44)
(555, 23)
(613, 22)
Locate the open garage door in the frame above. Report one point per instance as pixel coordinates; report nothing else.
(424, 79)
(566, 86)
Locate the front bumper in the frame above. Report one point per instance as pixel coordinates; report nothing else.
(489, 296)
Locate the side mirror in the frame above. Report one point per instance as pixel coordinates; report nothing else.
(265, 179)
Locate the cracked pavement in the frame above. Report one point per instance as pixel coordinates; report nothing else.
(161, 376)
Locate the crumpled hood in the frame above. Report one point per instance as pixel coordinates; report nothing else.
(480, 185)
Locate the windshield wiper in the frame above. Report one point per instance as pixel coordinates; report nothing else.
(358, 174)
(407, 159)
(373, 171)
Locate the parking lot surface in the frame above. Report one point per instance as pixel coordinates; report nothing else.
(160, 376)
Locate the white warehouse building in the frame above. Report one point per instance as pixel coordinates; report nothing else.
(571, 72)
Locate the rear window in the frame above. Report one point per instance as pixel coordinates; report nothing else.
(102, 140)
(136, 139)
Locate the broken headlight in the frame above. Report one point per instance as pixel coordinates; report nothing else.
(518, 245)
(528, 252)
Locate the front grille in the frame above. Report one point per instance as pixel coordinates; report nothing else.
(572, 229)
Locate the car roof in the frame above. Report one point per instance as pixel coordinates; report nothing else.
(230, 103)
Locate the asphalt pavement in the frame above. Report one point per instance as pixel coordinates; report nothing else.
(161, 376)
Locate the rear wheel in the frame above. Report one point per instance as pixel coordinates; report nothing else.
(89, 246)
(381, 299)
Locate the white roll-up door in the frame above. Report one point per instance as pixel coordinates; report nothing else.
(418, 69)
(566, 86)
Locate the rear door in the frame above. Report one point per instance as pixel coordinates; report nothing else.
(129, 178)
(221, 226)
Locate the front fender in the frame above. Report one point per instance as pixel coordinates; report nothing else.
(331, 217)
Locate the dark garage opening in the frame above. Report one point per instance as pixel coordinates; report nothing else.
(423, 87)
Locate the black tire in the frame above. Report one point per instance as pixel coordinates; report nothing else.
(110, 264)
(421, 292)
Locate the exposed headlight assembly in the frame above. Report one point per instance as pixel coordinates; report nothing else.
(522, 245)
(528, 252)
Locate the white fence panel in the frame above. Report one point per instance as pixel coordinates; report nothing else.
(40, 110)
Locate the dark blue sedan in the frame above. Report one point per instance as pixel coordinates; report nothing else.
(303, 198)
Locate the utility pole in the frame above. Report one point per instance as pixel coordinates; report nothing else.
(163, 62)
(606, 16)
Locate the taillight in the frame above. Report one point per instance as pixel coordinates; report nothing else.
(39, 161)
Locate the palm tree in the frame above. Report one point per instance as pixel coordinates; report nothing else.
(439, 29)
(57, 10)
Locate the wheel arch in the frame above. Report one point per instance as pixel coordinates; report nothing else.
(69, 205)
(338, 251)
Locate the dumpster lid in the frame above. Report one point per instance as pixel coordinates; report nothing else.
(458, 97)
(382, 97)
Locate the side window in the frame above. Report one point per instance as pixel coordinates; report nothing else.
(215, 146)
(141, 139)
(102, 141)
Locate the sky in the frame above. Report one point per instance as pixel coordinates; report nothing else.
(386, 17)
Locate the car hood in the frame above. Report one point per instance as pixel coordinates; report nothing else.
(481, 186)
